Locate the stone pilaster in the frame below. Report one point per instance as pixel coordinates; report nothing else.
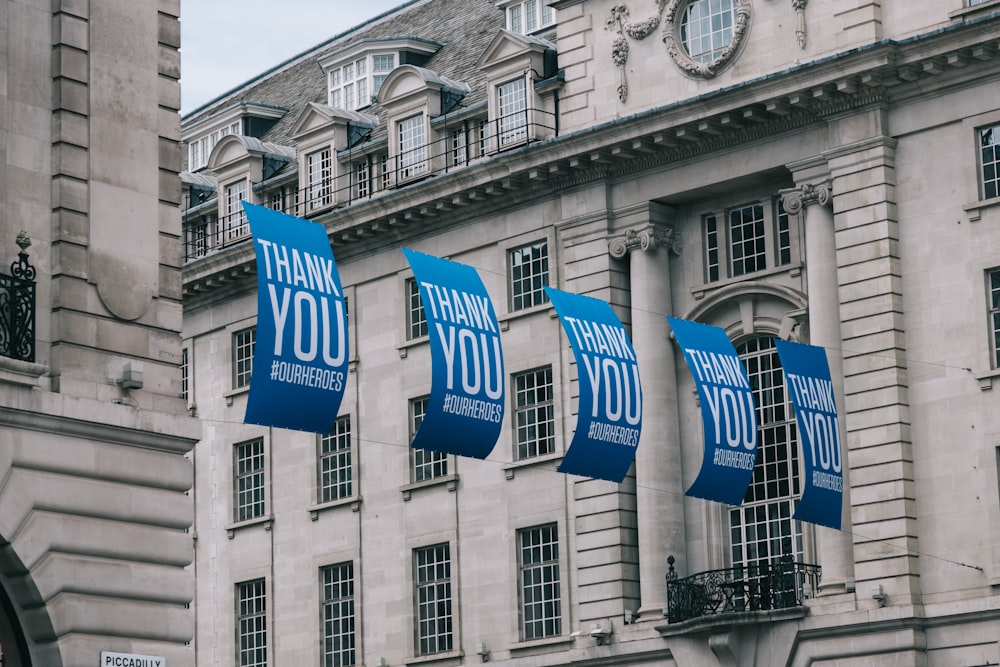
(659, 492)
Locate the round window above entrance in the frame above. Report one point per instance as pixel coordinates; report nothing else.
(703, 36)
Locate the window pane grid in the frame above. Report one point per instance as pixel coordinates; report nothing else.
(185, 370)
(993, 277)
(512, 107)
(433, 595)
(541, 612)
(337, 602)
(988, 138)
(335, 470)
(534, 418)
(711, 248)
(251, 623)
(762, 529)
(415, 311)
(236, 219)
(707, 28)
(411, 147)
(362, 176)
(529, 274)
(243, 347)
(249, 466)
(426, 464)
(747, 248)
(784, 234)
(319, 174)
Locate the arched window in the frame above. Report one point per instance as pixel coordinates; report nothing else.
(762, 530)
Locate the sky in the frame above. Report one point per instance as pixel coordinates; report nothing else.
(225, 43)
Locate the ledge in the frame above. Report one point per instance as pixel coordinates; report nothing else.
(435, 657)
(25, 373)
(730, 619)
(235, 392)
(987, 378)
(354, 502)
(961, 14)
(450, 480)
(973, 209)
(547, 642)
(505, 320)
(404, 348)
(794, 270)
(266, 521)
(510, 468)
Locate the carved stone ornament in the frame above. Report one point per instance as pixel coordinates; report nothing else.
(675, 46)
(800, 12)
(618, 23)
(649, 238)
(795, 199)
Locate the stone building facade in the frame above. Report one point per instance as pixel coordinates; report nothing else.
(94, 504)
(819, 172)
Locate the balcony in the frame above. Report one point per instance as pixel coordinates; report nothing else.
(758, 587)
(17, 306)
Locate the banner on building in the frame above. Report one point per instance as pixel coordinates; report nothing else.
(466, 405)
(609, 416)
(301, 349)
(728, 412)
(807, 377)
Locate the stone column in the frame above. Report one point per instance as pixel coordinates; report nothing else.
(659, 492)
(833, 548)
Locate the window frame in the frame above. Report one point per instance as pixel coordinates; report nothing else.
(336, 448)
(780, 238)
(319, 178)
(526, 17)
(439, 592)
(411, 147)
(425, 465)
(336, 608)
(256, 478)
(992, 284)
(242, 356)
(530, 448)
(512, 121)
(257, 617)
(235, 226)
(714, 50)
(984, 183)
(551, 588)
(516, 299)
(416, 315)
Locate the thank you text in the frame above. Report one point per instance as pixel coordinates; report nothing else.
(301, 348)
(727, 408)
(466, 405)
(609, 418)
(807, 375)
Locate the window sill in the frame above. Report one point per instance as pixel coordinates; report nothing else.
(526, 312)
(266, 521)
(434, 657)
(987, 378)
(964, 12)
(547, 642)
(699, 291)
(404, 349)
(26, 373)
(450, 480)
(229, 395)
(973, 209)
(510, 468)
(354, 502)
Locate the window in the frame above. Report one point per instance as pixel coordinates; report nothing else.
(527, 16)
(337, 609)
(381, 66)
(244, 342)
(747, 239)
(185, 369)
(336, 474)
(319, 176)
(276, 200)
(529, 274)
(200, 149)
(236, 219)
(458, 148)
(251, 623)
(534, 422)
(484, 137)
(197, 235)
(707, 28)
(416, 317)
(412, 149)
(512, 123)
(433, 598)
(362, 178)
(993, 289)
(762, 529)
(541, 608)
(973, 3)
(426, 464)
(248, 465)
(348, 85)
(383, 167)
(989, 139)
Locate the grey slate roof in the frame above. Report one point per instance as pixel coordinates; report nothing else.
(464, 27)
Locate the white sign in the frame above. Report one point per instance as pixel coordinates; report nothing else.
(109, 659)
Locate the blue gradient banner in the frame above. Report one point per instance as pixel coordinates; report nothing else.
(609, 417)
(301, 350)
(466, 405)
(728, 412)
(807, 377)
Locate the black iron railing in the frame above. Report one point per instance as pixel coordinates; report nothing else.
(17, 306)
(757, 587)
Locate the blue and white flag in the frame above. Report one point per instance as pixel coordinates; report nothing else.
(465, 410)
(727, 408)
(301, 349)
(807, 376)
(609, 417)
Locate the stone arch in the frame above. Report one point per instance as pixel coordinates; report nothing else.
(26, 632)
(750, 308)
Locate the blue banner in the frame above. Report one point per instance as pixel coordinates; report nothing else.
(609, 417)
(807, 375)
(301, 350)
(466, 405)
(727, 409)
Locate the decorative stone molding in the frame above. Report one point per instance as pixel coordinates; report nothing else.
(649, 238)
(619, 46)
(800, 13)
(795, 199)
(691, 67)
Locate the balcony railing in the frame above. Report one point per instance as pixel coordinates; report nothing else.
(366, 176)
(17, 306)
(755, 587)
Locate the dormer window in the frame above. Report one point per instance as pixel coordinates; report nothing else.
(512, 104)
(527, 16)
(355, 75)
(199, 149)
(412, 147)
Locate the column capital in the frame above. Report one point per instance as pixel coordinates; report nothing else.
(795, 199)
(649, 237)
